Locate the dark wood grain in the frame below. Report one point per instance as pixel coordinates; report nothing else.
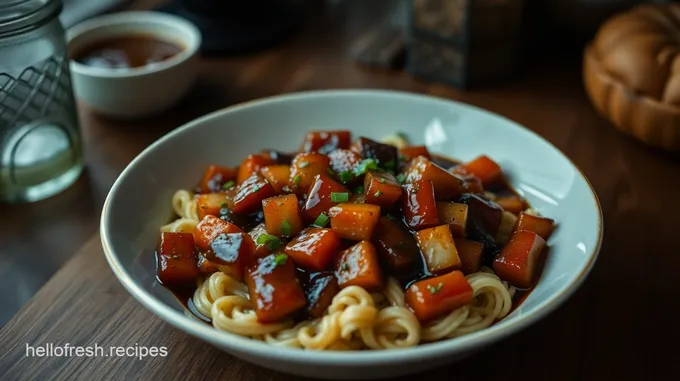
(613, 328)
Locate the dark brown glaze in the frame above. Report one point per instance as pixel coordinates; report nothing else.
(124, 52)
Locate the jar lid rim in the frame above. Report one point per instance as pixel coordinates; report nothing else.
(20, 14)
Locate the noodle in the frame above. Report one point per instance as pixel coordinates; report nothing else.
(355, 318)
(184, 205)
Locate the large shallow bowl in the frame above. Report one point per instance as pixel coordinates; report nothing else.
(139, 202)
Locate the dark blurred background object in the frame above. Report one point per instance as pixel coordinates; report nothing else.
(464, 42)
(233, 27)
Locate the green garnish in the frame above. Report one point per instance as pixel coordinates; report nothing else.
(285, 228)
(272, 242)
(346, 176)
(435, 289)
(223, 205)
(382, 180)
(322, 220)
(297, 179)
(359, 189)
(280, 259)
(304, 164)
(257, 187)
(339, 196)
(401, 178)
(330, 171)
(366, 165)
(403, 157)
(229, 184)
(390, 164)
(377, 194)
(344, 267)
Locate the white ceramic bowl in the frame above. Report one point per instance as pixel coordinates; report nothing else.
(139, 202)
(141, 91)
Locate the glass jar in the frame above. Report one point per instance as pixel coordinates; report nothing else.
(40, 142)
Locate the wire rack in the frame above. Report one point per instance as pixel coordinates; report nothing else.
(36, 92)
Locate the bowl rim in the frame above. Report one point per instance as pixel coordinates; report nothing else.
(187, 33)
(420, 352)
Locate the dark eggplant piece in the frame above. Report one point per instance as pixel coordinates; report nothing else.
(320, 290)
(246, 222)
(397, 247)
(484, 211)
(484, 217)
(279, 157)
(386, 156)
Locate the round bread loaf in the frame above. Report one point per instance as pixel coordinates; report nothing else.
(631, 72)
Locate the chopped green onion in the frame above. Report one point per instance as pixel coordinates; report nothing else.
(346, 176)
(223, 205)
(359, 189)
(435, 289)
(401, 178)
(339, 196)
(280, 259)
(366, 165)
(297, 179)
(304, 164)
(382, 180)
(272, 242)
(229, 184)
(285, 228)
(390, 164)
(377, 194)
(322, 220)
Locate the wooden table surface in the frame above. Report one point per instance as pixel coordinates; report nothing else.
(614, 327)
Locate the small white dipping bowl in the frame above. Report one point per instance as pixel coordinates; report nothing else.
(140, 202)
(140, 91)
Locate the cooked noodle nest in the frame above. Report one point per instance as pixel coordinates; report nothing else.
(355, 319)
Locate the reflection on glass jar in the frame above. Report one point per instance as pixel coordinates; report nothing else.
(41, 151)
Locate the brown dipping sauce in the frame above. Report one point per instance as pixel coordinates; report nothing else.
(131, 51)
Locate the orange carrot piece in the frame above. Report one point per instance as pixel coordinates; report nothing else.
(410, 153)
(447, 186)
(381, 188)
(539, 225)
(210, 204)
(516, 263)
(419, 206)
(437, 296)
(304, 169)
(485, 169)
(277, 176)
(326, 141)
(215, 177)
(359, 266)
(274, 288)
(176, 260)
(314, 248)
(354, 221)
(282, 216)
(252, 165)
(512, 204)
